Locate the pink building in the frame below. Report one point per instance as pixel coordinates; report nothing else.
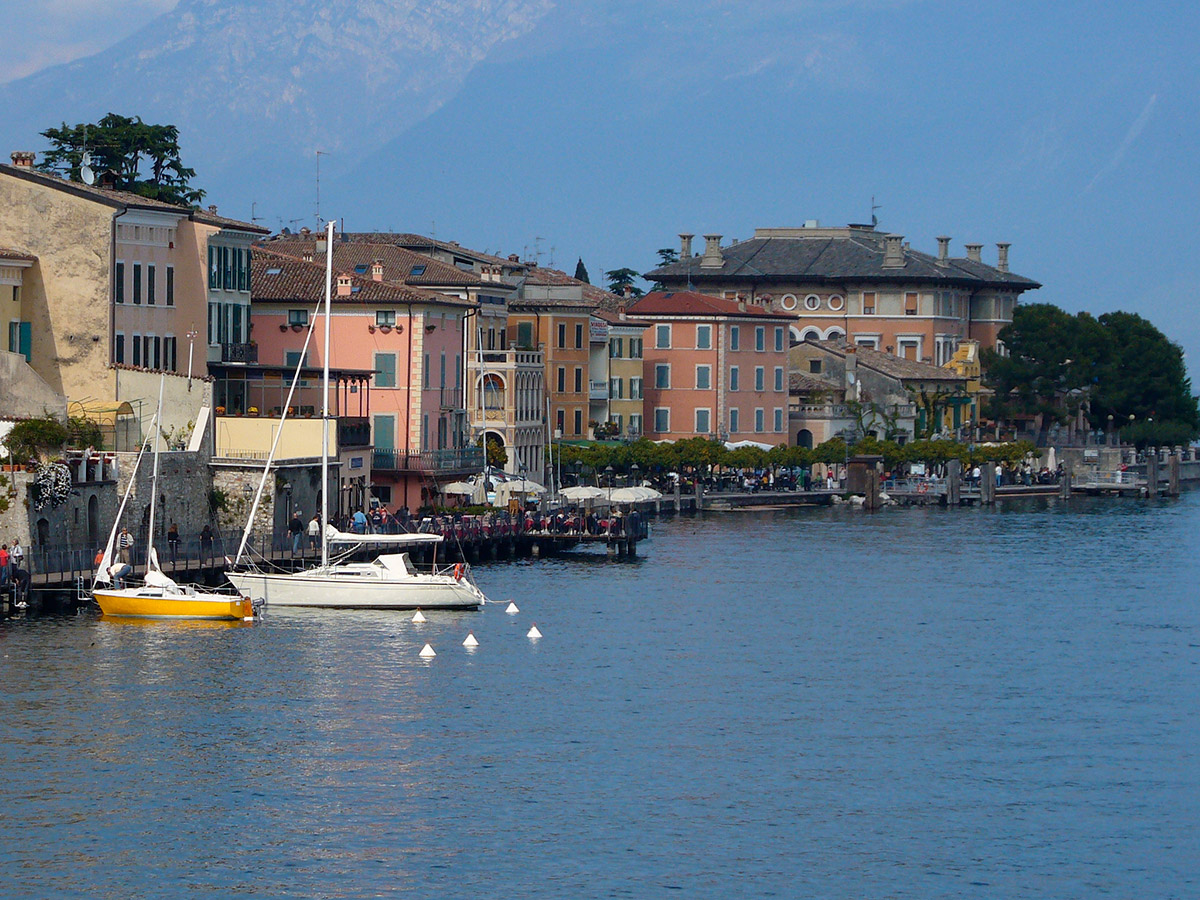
(713, 368)
(413, 341)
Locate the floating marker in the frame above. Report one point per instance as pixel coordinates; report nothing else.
(470, 641)
(533, 633)
(419, 617)
(427, 652)
(511, 609)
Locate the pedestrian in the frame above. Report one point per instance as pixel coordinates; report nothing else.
(296, 529)
(206, 542)
(173, 541)
(124, 546)
(3, 564)
(16, 556)
(314, 532)
(360, 522)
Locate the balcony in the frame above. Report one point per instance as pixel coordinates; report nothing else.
(239, 353)
(597, 390)
(510, 357)
(466, 459)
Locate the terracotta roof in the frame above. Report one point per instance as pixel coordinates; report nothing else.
(803, 383)
(400, 266)
(211, 218)
(692, 303)
(114, 198)
(887, 364)
(614, 318)
(418, 241)
(9, 253)
(539, 275)
(278, 277)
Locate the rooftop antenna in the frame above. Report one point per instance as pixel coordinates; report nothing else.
(253, 217)
(320, 153)
(552, 249)
(86, 174)
(433, 229)
(874, 206)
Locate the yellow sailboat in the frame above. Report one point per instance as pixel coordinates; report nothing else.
(158, 596)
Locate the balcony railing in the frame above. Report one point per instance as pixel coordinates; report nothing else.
(597, 390)
(239, 353)
(466, 459)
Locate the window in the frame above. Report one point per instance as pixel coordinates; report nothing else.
(227, 276)
(297, 316)
(814, 366)
(562, 379)
(836, 302)
(416, 271)
(212, 267)
(458, 371)
(662, 376)
(779, 378)
(635, 425)
(385, 317)
(616, 388)
(293, 358)
(525, 335)
(759, 419)
(442, 371)
(562, 334)
(635, 388)
(616, 420)
(615, 348)
(702, 421)
(360, 269)
(385, 370)
(910, 304)
(120, 348)
(733, 421)
(170, 285)
(635, 348)
(578, 422)
(119, 283)
(909, 348)
(137, 349)
(150, 284)
(735, 338)
(425, 430)
(868, 303)
(147, 350)
(703, 378)
(662, 337)
(760, 377)
(788, 302)
(243, 275)
(425, 374)
(560, 419)
(703, 337)
(578, 336)
(733, 378)
(779, 340)
(236, 311)
(760, 338)
(578, 380)
(778, 419)
(662, 419)
(137, 282)
(812, 301)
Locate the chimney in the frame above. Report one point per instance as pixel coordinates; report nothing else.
(512, 257)
(974, 252)
(306, 230)
(377, 270)
(943, 250)
(212, 208)
(893, 252)
(343, 286)
(621, 312)
(1002, 256)
(23, 159)
(307, 256)
(627, 292)
(685, 246)
(712, 258)
(741, 303)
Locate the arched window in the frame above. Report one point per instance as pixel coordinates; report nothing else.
(493, 392)
(794, 335)
(811, 334)
(834, 334)
(812, 301)
(804, 439)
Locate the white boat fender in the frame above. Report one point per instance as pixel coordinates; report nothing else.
(533, 633)
(419, 617)
(470, 641)
(428, 652)
(511, 609)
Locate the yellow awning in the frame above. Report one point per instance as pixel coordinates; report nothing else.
(99, 411)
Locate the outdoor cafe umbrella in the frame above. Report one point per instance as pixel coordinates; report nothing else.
(581, 492)
(519, 487)
(459, 487)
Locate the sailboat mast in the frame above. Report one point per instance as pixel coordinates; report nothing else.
(154, 477)
(325, 398)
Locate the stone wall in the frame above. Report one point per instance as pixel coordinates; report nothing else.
(24, 393)
(180, 405)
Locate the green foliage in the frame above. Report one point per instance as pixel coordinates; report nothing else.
(83, 432)
(218, 500)
(495, 453)
(122, 146)
(667, 255)
(37, 439)
(8, 493)
(581, 272)
(620, 279)
(1156, 434)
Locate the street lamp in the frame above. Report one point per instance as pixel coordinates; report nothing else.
(608, 471)
(634, 473)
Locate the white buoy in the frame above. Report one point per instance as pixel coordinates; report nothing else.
(511, 609)
(470, 641)
(427, 652)
(418, 616)
(533, 633)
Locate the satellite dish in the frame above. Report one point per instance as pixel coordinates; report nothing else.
(86, 175)
(87, 158)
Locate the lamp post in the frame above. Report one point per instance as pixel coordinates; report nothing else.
(634, 473)
(191, 336)
(608, 471)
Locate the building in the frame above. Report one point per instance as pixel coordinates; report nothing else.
(713, 367)
(857, 282)
(616, 372)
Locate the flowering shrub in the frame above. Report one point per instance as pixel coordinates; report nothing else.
(51, 486)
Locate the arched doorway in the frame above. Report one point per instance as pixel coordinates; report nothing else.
(496, 451)
(93, 521)
(804, 438)
(43, 532)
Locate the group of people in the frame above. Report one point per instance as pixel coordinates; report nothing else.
(14, 577)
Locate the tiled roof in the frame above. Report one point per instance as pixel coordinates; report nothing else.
(106, 196)
(399, 264)
(895, 366)
(420, 241)
(539, 275)
(852, 254)
(803, 383)
(614, 318)
(206, 217)
(9, 253)
(276, 277)
(692, 303)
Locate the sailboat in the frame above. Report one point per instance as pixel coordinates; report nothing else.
(159, 596)
(391, 580)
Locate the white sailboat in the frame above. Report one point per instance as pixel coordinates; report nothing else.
(159, 596)
(390, 581)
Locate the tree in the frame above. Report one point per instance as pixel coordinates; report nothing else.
(36, 439)
(620, 279)
(497, 456)
(581, 272)
(666, 256)
(123, 146)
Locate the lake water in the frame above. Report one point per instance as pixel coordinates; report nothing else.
(828, 703)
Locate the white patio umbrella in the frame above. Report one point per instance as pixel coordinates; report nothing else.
(628, 495)
(459, 487)
(1052, 460)
(519, 487)
(582, 492)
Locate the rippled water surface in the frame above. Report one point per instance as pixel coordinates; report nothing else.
(779, 703)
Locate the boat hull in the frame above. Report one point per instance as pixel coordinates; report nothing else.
(280, 589)
(151, 605)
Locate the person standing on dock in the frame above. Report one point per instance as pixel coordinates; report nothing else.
(206, 542)
(124, 546)
(173, 542)
(16, 556)
(314, 532)
(4, 559)
(296, 530)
